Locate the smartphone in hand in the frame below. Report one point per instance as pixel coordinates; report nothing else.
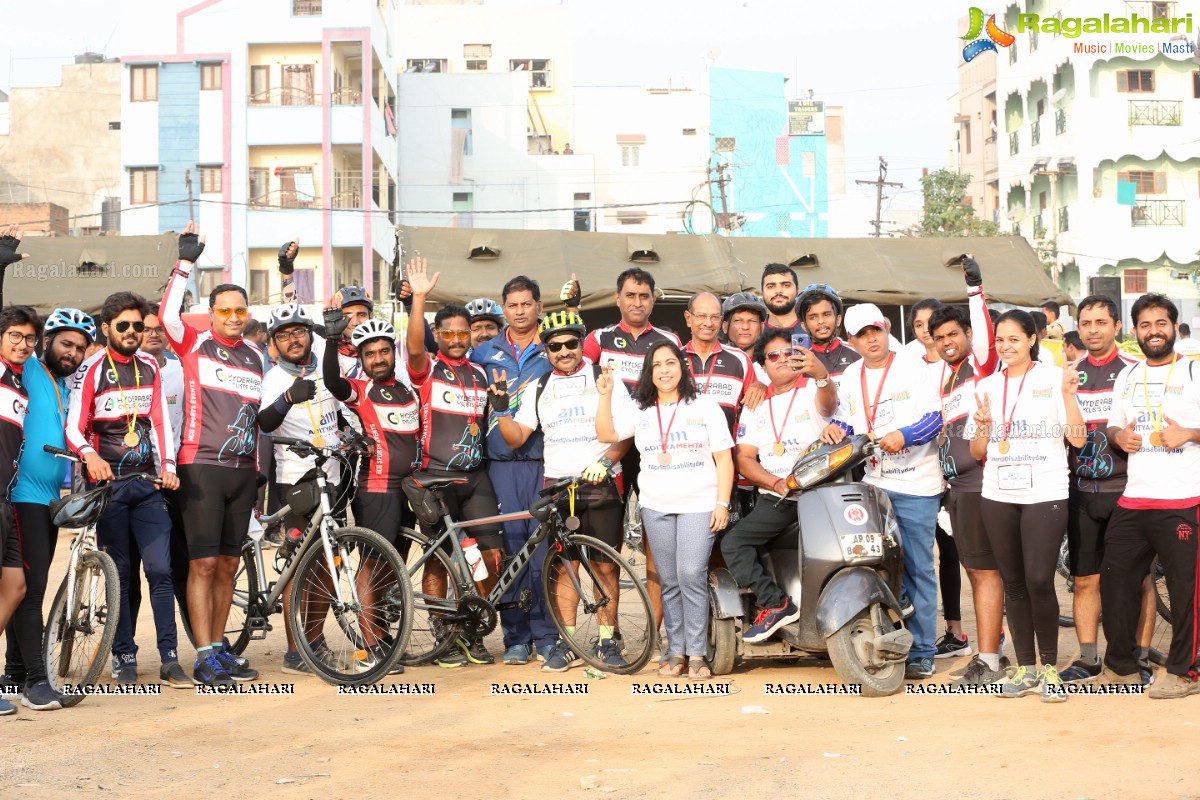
(801, 340)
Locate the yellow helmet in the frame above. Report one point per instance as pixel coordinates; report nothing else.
(558, 322)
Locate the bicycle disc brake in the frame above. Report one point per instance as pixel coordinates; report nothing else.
(479, 614)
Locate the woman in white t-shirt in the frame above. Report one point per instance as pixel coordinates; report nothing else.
(684, 489)
(1026, 413)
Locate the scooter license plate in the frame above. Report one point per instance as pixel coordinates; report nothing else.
(861, 545)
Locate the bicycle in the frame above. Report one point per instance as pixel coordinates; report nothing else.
(350, 574)
(83, 618)
(1064, 586)
(578, 581)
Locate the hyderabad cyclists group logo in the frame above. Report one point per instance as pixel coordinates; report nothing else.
(977, 44)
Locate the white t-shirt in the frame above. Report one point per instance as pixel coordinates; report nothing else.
(1159, 478)
(908, 395)
(771, 422)
(688, 484)
(298, 424)
(566, 413)
(1034, 470)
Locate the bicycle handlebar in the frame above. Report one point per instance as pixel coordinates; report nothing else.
(351, 443)
(59, 452)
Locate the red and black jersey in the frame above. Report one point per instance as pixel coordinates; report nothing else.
(13, 402)
(453, 396)
(1098, 466)
(113, 395)
(836, 356)
(725, 376)
(391, 419)
(617, 345)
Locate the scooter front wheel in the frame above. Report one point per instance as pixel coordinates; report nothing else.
(851, 648)
(722, 645)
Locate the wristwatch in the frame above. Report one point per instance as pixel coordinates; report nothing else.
(723, 504)
(822, 382)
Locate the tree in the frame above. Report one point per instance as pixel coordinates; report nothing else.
(945, 213)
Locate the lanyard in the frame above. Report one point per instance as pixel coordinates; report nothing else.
(1157, 418)
(663, 436)
(137, 377)
(62, 415)
(874, 407)
(787, 415)
(953, 384)
(1004, 401)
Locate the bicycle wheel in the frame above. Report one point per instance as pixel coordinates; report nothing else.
(430, 637)
(246, 585)
(1064, 587)
(587, 584)
(78, 639)
(354, 641)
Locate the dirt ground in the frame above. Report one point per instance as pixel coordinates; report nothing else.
(463, 741)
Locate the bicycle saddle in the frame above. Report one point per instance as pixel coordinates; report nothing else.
(80, 509)
(430, 482)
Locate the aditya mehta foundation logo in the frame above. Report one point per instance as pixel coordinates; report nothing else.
(977, 44)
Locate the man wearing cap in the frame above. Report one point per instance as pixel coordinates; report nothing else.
(889, 395)
(487, 320)
(742, 318)
(820, 309)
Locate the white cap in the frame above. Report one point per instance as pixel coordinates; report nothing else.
(864, 315)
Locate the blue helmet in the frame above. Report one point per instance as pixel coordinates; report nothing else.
(71, 319)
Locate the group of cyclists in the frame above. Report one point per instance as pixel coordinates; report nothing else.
(510, 397)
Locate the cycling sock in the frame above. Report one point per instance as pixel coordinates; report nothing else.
(1087, 653)
(992, 660)
(606, 632)
(203, 653)
(216, 647)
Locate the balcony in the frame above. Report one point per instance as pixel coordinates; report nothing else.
(1064, 220)
(347, 96)
(306, 8)
(1039, 227)
(1157, 213)
(1060, 122)
(347, 189)
(1035, 132)
(1155, 112)
(284, 96)
(1014, 145)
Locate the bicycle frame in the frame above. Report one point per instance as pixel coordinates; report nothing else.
(85, 542)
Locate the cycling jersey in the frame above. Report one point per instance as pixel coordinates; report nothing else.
(563, 408)
(13, 402)
(789, 419)
(222, 388)
(117, 412)
(40, 478)
(391, 419)
(725, 377)
(306, 421)
(522, 370)
(1099, 466)
(453, 394)
(617, 345)
(837, 356)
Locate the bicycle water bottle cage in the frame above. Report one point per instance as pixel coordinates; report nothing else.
(81, 509)
(305, 495)
(422, 492)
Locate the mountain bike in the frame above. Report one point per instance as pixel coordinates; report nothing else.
(587, 584)
(83, 618)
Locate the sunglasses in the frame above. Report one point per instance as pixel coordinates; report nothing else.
(16, 337)
(296, 335)
(225, 313)
(570, 344)
(775, 355)
(450, 336)
(125, 325)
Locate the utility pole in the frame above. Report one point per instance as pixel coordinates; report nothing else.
(879, 183)
(187, 179)
(723, 220)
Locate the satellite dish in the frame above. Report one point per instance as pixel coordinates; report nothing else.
(1058, 97)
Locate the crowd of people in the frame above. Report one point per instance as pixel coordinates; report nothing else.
(511, 396)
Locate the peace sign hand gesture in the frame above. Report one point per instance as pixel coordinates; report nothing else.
(498, 391)
(983, 414)
(604, 381)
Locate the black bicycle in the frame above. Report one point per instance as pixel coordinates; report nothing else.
(587, 584)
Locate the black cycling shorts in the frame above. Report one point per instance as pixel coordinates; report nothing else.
(471, 500)
(1088, 514)
(383, 512)
(600, 510)
(215, 503)
(974, 548)
(10, 538)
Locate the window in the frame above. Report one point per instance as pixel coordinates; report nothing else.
(143, 84)
(260, 85)
(460, 129)
(538, 69)
(297, 85)
(1148, 182)
(630, 155)
(258, 186)
(477, 65)
(143, 185)
(210, 77)
(1162, 10)
(1135, 80)
(210, 180)
(260, 282)
(966, 132)
(1041, 106)
(689, 131)
(1135, 281)
(464, 205)
(306, 8)
(426, 65)
(477, 51)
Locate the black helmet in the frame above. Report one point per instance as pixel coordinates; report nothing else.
(356, 296)
(815, 293)
(743, 301)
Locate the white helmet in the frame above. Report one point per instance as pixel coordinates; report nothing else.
(372, 329)
(288, 314)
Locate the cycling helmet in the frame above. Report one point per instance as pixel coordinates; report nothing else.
(71, 319)
(372, 329)
(814, 293)
(357, 296)
(288, 314)
(561, 322)
(743, 301)
(483, 308)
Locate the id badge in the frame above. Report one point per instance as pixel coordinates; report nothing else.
(884, 414)
(1015, 477)
(569, 387)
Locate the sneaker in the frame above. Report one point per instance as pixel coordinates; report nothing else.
(172, 675)
(950, 646)
(1022, 682)
(209, 672)
(906, 607)
(562, 658)
(1172, 687)
(1108, 676)
(919, 668)
(124, 668)
(6, 708)
(453, 659)
(619, 641)
(518, 654)
(1053, 690)
(374, 657)
(609, 652)
(42, 697)
(543, 652)
(293, 664)
(474, 650)
(239, 672)
(10, 686)
(770, 620)
(1081, 672)
(978, 673)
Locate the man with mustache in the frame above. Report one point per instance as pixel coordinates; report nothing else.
(779, 287)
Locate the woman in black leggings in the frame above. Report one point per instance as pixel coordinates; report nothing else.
(1024, 413)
